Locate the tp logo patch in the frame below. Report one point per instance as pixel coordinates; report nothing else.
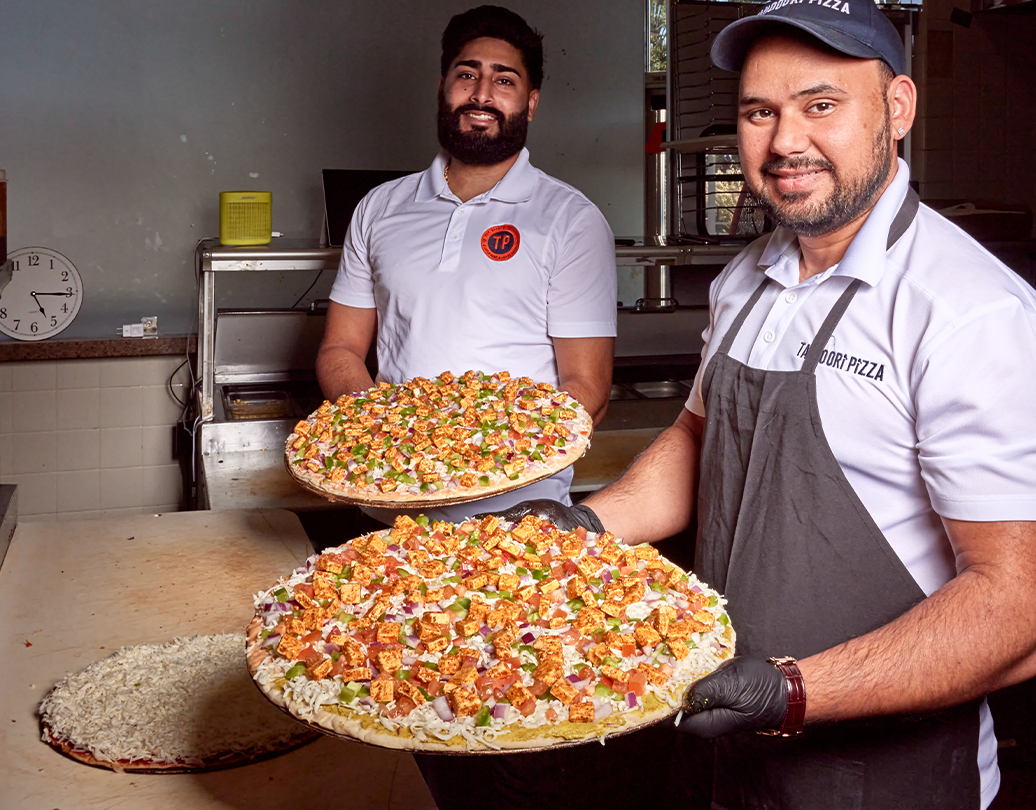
(500, 242)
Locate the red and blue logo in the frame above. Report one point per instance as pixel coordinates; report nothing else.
(500, 242)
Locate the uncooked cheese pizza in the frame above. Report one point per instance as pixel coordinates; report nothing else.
(484, 636)
(438, 442)
(186, 705)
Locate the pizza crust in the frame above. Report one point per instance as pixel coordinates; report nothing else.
(581, 428)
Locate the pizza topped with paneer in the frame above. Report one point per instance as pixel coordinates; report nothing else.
(441, 441)
(485, 636)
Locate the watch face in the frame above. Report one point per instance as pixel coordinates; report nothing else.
(40, 293)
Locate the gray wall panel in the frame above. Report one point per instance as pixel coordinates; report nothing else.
(124, 119)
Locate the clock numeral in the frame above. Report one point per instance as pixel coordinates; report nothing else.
(3, 313)
(53, 320)
(64, 273)
(17, 323)
(64, 307)
(34, 328)
(34, 260)
(68, 290)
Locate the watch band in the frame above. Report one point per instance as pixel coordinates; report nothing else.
(795, 715)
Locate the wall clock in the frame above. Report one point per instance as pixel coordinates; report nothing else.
(40, 293)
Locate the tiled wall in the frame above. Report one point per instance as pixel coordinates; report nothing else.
(90, 438)
(977, 136)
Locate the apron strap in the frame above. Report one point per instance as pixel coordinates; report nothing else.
(907, 212)
(816, 348)
(904, 217)
(739, 321)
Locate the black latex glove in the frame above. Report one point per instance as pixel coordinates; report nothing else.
(564, 517)
(743, 694)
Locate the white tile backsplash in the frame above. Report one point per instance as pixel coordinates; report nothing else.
(91, 438)
(79, 449)
(122, 447)
(33, 410)
(79, 374)
(78, 408)
(121, 407)
(33, 376)
(37, 494)
(34, 453)
(122, 489)
(78, 491)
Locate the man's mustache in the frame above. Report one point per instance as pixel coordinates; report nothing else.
(795, 164)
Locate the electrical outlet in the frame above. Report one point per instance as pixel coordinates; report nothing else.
(150, 323)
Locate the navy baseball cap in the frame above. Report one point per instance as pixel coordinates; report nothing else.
(853, 27)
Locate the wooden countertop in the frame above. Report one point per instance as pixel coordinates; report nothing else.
(73, 593)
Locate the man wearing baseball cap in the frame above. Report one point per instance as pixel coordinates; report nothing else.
(859, 447)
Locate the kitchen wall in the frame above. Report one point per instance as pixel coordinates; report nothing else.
(91, 438)
(123, 120)
(978, 105)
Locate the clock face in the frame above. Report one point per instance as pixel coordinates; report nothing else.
(40, 293)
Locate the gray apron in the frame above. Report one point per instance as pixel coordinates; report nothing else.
(805, 567)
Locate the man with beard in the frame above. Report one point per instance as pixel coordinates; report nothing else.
(859, 447)
(481, 261)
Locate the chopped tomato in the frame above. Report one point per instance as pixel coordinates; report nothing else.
(309, 638)
(351, 554)
(534, 600)
(559, 614)
(433, 687)
(403, 707)
(366, 636)
(539, 687)
(448, 592)
(551, 715)
(628, 650)
(558, 571)
(580, 532)
(545, 557)
(459, 589)
(438, 536)
(307, 653)
(606, 681)
(542, 623)
(557, 596)
(569, 567)
(304, 587)
(527, 708)
(665, 669)
(514, 662)
(638, 682)
(570, 637)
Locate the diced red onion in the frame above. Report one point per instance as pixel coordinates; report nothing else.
(330, 648)
(573, 678)
(606, 575)
(696, 589)
(528, 638)
(409, 660)
(631, 700)
(484, 631)
(412, 641)
(499, 711)
(442, 708)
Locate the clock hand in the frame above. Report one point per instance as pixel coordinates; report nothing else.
(64, 294)
(37, 300)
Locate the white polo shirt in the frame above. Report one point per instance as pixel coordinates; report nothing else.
(485, 284)
(926, 389)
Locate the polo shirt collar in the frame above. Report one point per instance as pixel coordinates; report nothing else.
(865, 257)
(515, 186)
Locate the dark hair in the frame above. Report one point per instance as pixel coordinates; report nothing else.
(499, 23)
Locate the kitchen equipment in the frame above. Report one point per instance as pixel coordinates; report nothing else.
(245, 217)
(256, 373)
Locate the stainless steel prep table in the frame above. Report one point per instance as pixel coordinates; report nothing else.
(72, 593)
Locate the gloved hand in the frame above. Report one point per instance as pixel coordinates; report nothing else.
(743, 694)
(564, 517)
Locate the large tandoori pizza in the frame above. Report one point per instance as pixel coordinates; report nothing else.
(437, 442)
(482, 637)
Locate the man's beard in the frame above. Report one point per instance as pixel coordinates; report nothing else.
(476, 148)
(848, 200)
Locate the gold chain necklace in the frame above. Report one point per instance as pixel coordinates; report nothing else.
(446, 172)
